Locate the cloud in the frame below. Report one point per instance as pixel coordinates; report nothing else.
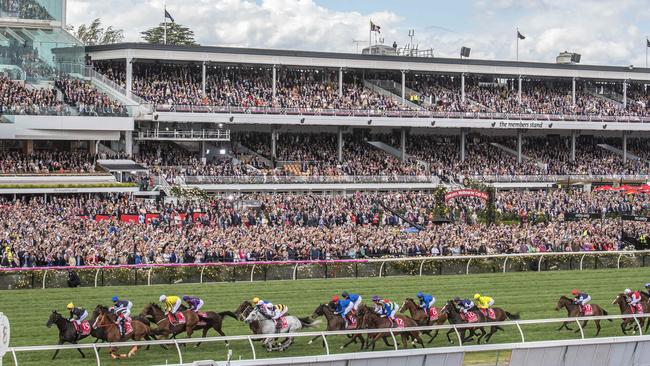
(603, 31)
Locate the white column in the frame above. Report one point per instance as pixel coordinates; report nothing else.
(340, 82)
(403, 86)
(274, 142)
(624, 147)
(403, 144)
(128, 142)
(519, 90)
(462, 87)
(340, 144)
(203, 78)
(573, 90)
(463, 137)
(129, 76)
(573, 146)
(519, 140)
(625, 94)
(275, 79)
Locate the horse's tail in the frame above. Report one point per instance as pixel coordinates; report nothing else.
(606, 313)
(308, 322)
(515, 316)
(228, 313)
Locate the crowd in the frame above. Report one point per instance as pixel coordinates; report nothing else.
(46, 162)
(87, 99)
(15, 98)
(271, 227)
(176, 85)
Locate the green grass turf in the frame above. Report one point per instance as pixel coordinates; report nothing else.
(532, 294)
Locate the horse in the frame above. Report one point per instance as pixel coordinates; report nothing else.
(625, 308)
(164, 329)
(573, 310)
(422, 318)
(499, 316)
(267, 326)
(100, 334)
(454, 317)
(244, 309)
(207, 320)
(335, 322)
(106, 320)
(67, 331)
(372, 320)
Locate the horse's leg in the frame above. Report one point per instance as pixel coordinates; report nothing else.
(313, 339)
(448, 337)
(405, 340)
(221, 333)
(597, 322)
(435, 334)
(57, 351)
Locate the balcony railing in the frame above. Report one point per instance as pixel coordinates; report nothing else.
(198, 135)
(559, 178)
(349, 179)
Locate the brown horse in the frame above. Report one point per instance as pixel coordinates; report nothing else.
(625, 308)
(574, 310)
(454, 316)
(106, 321)
(372, 320)
(242, 312)
(422, 318)
(162, 321)
(500, 315)
(335, 322)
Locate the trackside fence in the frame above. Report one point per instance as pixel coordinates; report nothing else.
(151, 274)
(326, 336)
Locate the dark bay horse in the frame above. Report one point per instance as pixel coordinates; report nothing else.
(422, 318)
(499, 316)
(67, 332)
(165, 328)
(454, 317)
(335, 322)
(626, 309)
(573, 310)
(372, 320)
(106, 321)
(100, 334)
(242, 312)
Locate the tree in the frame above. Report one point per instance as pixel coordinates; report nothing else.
(94, 34)
(176, 34)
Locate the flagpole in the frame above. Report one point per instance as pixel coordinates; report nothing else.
(517, 35)
(370, 38)
(647, 42)
(165, 26)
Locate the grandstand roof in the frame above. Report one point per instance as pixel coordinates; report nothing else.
(359, 61)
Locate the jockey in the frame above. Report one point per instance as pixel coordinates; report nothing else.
(77, 315)
(343, 307)
(581, 298)
(465, 305)
(483, 302)
(266, 308)
(385, 307)
(647, 287)
(122, 308)
(632, 298)
(194, 303)
(170, 304)
(354, 298)
(426, 301)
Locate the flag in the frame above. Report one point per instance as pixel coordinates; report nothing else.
(168, 16)
(647, 42)
(374, 27)
(519, 35)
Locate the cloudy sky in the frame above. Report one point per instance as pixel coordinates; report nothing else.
(603, 31)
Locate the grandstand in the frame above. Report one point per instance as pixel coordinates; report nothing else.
(207, 161)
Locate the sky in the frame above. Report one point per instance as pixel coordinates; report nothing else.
(611, 32)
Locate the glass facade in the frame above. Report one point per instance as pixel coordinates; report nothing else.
(42, 10)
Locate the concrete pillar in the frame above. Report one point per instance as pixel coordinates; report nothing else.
(624, 147)
(274, 142)
(202, 149)
(340, 144)
(275, 80)
(519, 90)
(404, 86)
(519, 142)
(463, 137)
(129, 76)
(625, 94)
(128, 142)
(403, 144)
(203, 78)
(29, 147)
(340, 82)
(462, 88)
(573, 91)
(92, 147)
(573, 145)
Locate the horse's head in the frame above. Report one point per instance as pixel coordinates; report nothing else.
(244, 310)
(331, 305)
(619, 300)
(253, 316)
(563, 302)
(54, 317)
(409, 304)
(320, 311)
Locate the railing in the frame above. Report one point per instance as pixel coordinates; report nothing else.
(559, 178)
(394, 113)
(223, 135)
(350, 179)
(150, 274)
(326, 337)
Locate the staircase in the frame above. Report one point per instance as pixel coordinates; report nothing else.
(246, 151)
(607, 94)
(619, 152)
(514, 153)
(396, 152)
(396, 96)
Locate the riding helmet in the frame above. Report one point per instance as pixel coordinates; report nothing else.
(376, 298)
(420, 294)
(70, 306)
(162, 298)
(115, 298)
(344, 294)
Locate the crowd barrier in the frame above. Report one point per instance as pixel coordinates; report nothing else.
(150, 274)
(326, 337)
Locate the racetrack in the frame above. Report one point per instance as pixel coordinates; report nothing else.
(532, 294)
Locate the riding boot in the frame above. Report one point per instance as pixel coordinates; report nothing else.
(278, 326)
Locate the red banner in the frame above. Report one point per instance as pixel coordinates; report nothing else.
(99, 218)
(150, 216)
(129, 218)
(466, 193)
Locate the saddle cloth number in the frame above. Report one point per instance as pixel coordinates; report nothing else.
(470, 317)
(352, 322)
(399, 323)
(128, 327)
(588, 310)
(83, 329)
(180, 318)
(283, 322)
(433, 313)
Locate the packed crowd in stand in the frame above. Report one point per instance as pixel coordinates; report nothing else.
(88, 100)
(44, 162)
(252, 227)
(180, 85)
